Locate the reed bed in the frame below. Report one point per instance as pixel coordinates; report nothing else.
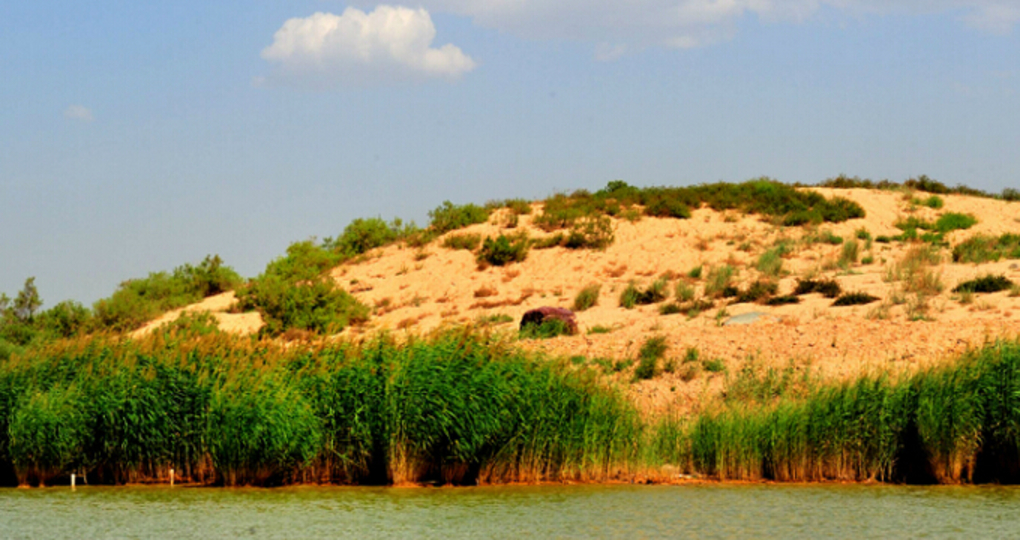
(951, 424)
(458, 408)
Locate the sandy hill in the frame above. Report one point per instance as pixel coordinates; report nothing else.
(420, 289)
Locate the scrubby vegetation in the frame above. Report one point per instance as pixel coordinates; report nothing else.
(985, 284)
(854, 299)
(294, 292)
(828, 288)
(982, 248)
(762, 196)
(634, 295)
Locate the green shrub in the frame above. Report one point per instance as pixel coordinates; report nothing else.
(361, 235)
(934, 201)
(1010, 195)
(548, 328)
(667, 207)
(503, 250)
(652, 350)
(982, 248)
(695, 273)
(518, 206)
(448, 216)
(591, 232)
(863, 234)
(599, 329)
(854, 299)
(587, 297)
(953, 221)
(462, 241)
(714, 365)
(984, 284)
(318, 305)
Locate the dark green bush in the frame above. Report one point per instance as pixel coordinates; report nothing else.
(984, 284)
(363, 234)
(854, 299)
(783, 300)
(667, 207)
(759, 290)
(139, 300)
(503, 250)
(828, 288)
(953, 221)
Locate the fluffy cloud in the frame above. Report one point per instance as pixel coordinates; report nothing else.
(358, 48)
(613, 26)
(78, 112)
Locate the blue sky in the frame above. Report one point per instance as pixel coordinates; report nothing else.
(135, 137)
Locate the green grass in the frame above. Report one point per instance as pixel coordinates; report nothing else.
(719, 279)
(457, 408)
(587, 297)
(770, 263)
(948, 424)
(652, 350)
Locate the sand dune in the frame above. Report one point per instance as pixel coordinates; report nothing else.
(419, 290)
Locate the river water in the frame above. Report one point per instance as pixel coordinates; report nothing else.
(690, 511)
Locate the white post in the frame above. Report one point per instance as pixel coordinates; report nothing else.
(73, 478)
(171, 478)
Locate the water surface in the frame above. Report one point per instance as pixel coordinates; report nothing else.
(695, 511)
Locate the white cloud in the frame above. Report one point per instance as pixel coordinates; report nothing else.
(358, 48)
(613, 25)
(78, 112)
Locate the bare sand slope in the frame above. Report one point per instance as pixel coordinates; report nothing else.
(419, 290)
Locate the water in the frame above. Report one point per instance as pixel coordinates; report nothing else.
(697, 511)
